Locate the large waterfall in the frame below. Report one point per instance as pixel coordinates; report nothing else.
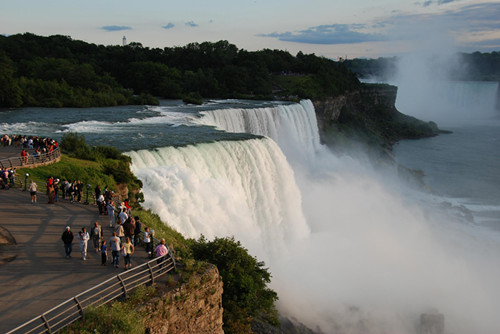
(225, 188)
(348, 252)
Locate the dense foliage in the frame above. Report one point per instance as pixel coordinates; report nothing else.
(246, 296)
(57, 71)
(476, 66)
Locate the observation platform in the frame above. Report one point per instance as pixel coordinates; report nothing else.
(34, 272)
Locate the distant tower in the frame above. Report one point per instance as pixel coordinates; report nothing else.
(124, 40)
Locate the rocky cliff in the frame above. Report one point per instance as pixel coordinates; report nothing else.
(193, 307)
(369, 116)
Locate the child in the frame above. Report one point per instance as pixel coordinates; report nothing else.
(104, 255)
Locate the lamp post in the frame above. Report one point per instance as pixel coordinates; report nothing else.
(87, 197)
(26, 181)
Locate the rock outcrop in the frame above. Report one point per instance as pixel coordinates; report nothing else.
(368, 115)
(193, 307)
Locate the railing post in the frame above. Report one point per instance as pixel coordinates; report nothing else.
(46, 323)
(79, 305)
(123, 285)
(151, 272)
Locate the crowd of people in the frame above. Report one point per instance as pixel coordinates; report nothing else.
(34, 145)
(39, 144)
(7, 178)
(126, 230)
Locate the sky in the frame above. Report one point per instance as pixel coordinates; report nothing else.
(329, 28)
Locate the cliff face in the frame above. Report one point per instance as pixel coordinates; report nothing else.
(194, 307)
(368, 115)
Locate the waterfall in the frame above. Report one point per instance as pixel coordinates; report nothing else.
(348, 252)
(293, 126)
(241, 188)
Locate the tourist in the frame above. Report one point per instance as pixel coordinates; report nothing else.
(161, 250)
(111, 213)
(115, 245)
(148, 241)
(128, 250)
(56, 190)
(100, 204)
(84, 238)
(129, 228)
(96, 236)
(120, 232)
(137, 231)
(24, 157)
(104, 254)
(32, 190)
(67, 238)
(123, 216)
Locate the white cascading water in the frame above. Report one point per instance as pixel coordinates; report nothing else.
(347, 252)
(292, 126)
(223, 189)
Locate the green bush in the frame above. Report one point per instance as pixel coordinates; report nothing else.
(246, 295)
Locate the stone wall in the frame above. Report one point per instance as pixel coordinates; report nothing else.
(193, 307)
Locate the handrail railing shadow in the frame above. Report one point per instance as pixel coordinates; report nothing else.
(118, 286)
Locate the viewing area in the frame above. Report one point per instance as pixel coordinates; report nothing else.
(37, 282)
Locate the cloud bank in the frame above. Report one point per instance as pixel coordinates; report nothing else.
(328, 34)
(479, 23)
(191, 24)
(116, 28)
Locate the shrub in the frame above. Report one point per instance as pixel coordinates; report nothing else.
(246, 295)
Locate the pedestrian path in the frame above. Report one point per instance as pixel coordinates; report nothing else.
(34, 273)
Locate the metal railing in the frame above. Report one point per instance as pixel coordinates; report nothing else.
(118, 286)
(31, 160)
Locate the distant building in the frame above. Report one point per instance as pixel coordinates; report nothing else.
(124, 40)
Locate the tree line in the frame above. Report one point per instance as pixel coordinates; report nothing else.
(57, 71)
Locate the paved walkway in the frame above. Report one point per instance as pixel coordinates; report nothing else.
(34, 274)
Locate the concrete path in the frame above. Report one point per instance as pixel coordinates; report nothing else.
(34, 274)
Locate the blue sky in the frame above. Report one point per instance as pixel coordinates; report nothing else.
(352, 28)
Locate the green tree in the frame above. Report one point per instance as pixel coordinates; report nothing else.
(10, 93)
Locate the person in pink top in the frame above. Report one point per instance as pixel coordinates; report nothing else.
(160, 251)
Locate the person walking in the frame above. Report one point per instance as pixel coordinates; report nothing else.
(32, 189)
(128, 250)
(84, 238)
(67, 238)
(96, 236)
(115, 245)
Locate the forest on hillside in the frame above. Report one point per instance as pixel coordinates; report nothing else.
(57, 71)
(475, 66)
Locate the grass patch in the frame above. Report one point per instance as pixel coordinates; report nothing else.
(89, 172)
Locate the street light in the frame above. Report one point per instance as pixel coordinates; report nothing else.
(26, 181)
(87, 199)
